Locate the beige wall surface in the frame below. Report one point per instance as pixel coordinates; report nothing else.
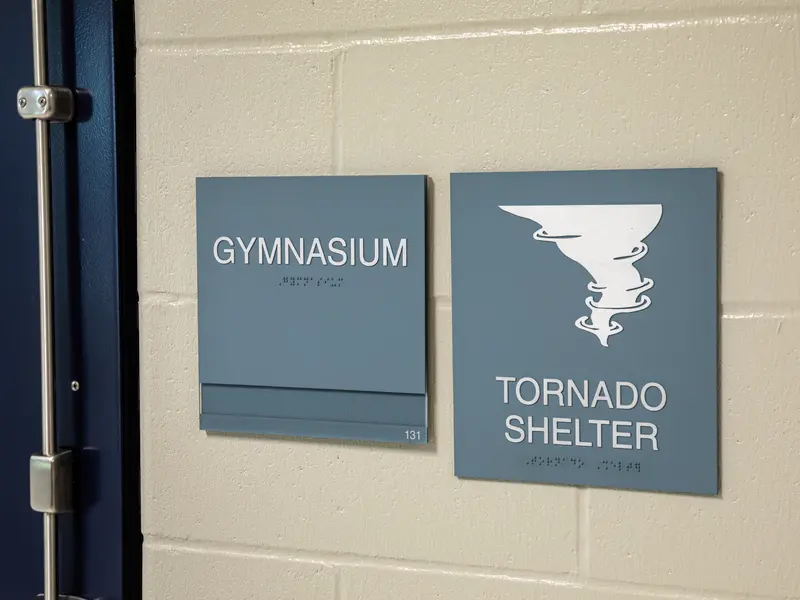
(303, 87)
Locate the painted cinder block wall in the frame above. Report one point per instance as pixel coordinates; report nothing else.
(268, 87)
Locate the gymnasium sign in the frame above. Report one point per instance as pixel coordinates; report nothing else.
(585, 328)
(311, 306)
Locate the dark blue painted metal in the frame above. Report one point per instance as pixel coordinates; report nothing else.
(99, 178)
(20, 528)
(90, 48)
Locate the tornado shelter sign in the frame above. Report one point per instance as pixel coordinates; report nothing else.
(585, 328)
(311, 306)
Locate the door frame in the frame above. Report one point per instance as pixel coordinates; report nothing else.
(91, 49)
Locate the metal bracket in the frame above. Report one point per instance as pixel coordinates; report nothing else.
(51, 482)
(48, 103)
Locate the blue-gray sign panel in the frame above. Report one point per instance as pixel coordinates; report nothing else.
(585, 328)
(311, 294)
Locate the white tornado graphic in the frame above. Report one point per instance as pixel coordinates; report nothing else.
(606, 240)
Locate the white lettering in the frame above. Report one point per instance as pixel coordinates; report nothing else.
(338, 251)
(578, 441)
(315, 252)
(616, 434)
(519, 388)
(543, 430)
(263, 251)
(364, 262)
(649, 436)
(634, 392)
(557, 430)
(515, 428)
(601, 393)
(599, 423)
(563, 431)
(506, 381)
(663, 392)
(335, 252)
(288, 244)
(556, 392)
(389, 256)
(246, 248)
(582, 398)
(230, 256)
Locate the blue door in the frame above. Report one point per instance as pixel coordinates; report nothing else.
(20, 527)
(90, 49)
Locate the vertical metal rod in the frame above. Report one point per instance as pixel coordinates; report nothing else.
(50, 557)
(45, 287)
(45, 290)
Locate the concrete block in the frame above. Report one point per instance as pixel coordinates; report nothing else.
(375, 583)
(175, 573)
(219, 115)
(748, 539)
(188, 19)
(375, 500)
(685, 96)
(669, 8)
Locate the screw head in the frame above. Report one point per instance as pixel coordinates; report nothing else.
(42, 101)
(75, 386)
(22, 103)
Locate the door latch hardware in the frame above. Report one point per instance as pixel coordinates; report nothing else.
(51, 482)
(45, 102)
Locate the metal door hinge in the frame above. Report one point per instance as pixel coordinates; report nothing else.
(45, 102)
(51, 482)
